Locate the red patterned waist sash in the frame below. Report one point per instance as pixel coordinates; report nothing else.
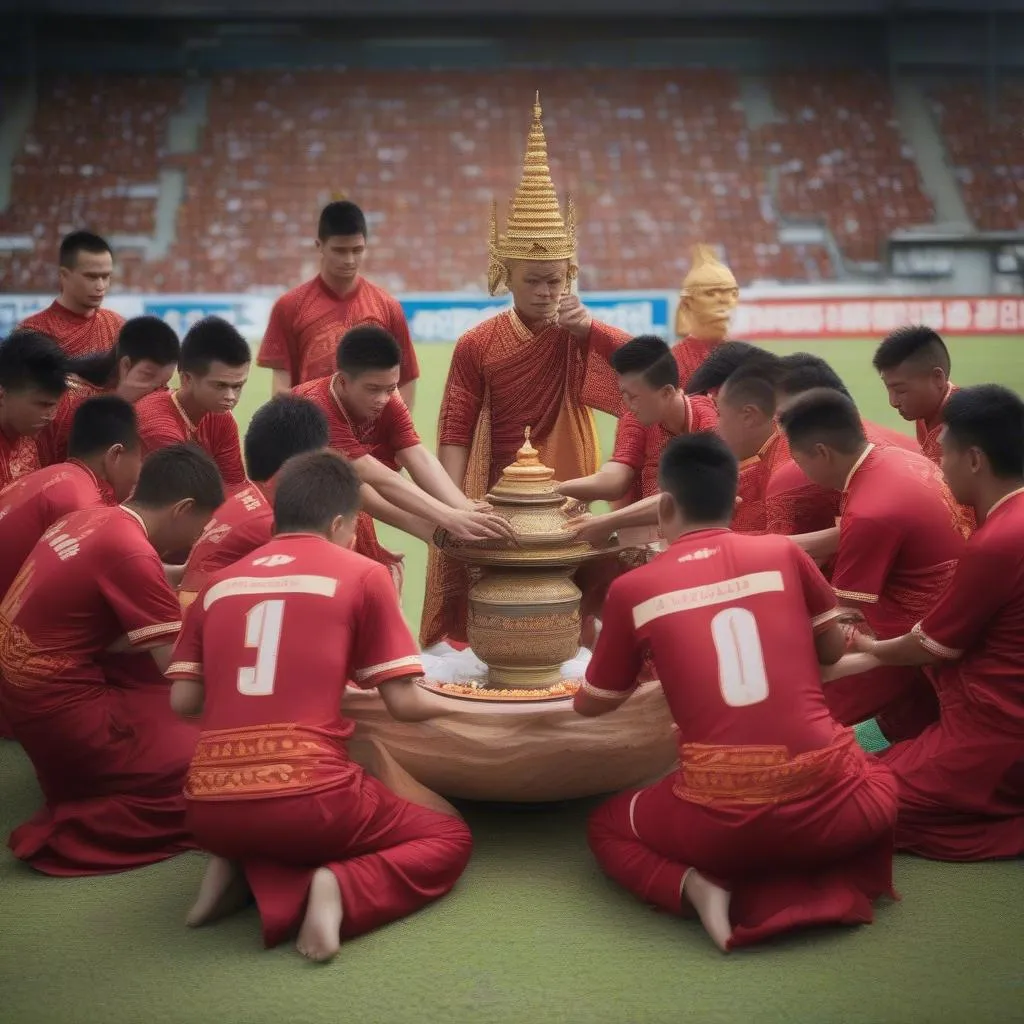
(278, 759)
(710, 774)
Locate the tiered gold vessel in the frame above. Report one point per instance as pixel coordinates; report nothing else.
(524, 608)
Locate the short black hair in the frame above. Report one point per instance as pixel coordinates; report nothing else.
(824, 416)
(651, 358)
(142, 337)
(803, 371)
(312, 490)
(367, 347)
(31, 360)
(719, 363)
(991, 418)
(913, 343)
(212, 340)
(287, 425)
(177, 472)
(753, 383)
(342, 218)
(81, 241)
(701, 475)
(101, 422)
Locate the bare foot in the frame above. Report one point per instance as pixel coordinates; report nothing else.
(712, 905)
(222, 891)
(320, 935)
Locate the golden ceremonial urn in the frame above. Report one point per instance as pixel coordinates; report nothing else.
(524, 608)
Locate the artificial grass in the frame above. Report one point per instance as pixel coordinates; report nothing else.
(533, 933)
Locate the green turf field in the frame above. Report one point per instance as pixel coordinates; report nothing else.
(533, 933)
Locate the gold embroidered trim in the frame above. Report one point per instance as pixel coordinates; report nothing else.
(855, 595)
(615, 695)
(820, 620)
(137, 636)
(411, 662)
(191, 669)
(933, 646)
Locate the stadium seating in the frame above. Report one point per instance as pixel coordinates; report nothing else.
(657, 160)
(987, 151)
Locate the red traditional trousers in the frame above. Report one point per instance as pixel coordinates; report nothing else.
(391, 857)
(901, 698)
(112, 766)
(961, 789)
(816, 859)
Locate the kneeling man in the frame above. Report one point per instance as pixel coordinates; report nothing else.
(775, 818)
(267, 650)
(85, 634)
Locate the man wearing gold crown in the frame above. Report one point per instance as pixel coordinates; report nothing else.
(542, 364)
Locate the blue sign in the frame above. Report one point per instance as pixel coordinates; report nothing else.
(180, 315)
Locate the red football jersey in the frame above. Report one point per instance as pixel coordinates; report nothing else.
(53, 440)
(307, 323)
(256, 636)
(979, 620)
(242, 524)
(898, 538)
(33, 503)
(77, 335)
(755, 479)
(730, 622)
(640, 447)
(19, 456)
(163, 422)
(93, 582)
(383, 437)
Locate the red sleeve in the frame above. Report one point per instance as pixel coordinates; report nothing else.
(384, 649)
(867, 550)
(137, 591)
(399, 328)
(630, 442)
(612, 672)
(819, 597)
(279, 343)
(604, 339)
(980, 587)
(187, 656)
(226, 449)
(463, 396)
(401, 433)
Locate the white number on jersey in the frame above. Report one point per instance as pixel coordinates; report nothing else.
(263, 632)
(742, 675)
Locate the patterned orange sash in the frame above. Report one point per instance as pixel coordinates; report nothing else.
(711, 774)
(277, 759)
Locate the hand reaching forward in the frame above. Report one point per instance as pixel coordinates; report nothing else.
(573, 316)
(593, 530)
(474, 525)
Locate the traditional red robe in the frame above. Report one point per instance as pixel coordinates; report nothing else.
(504, 378)
(961, 782)
(242, 524)
(383, 437)
(77, 335)
(307, 323)
(899, 543)
(86, 702)
(772, 799)
(163, 422)
(690, 354)
(271, 785)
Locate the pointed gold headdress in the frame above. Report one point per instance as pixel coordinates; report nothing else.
(535, 229)
(707, 269)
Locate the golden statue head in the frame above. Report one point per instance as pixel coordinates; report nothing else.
(709, 296)
(535, 257)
